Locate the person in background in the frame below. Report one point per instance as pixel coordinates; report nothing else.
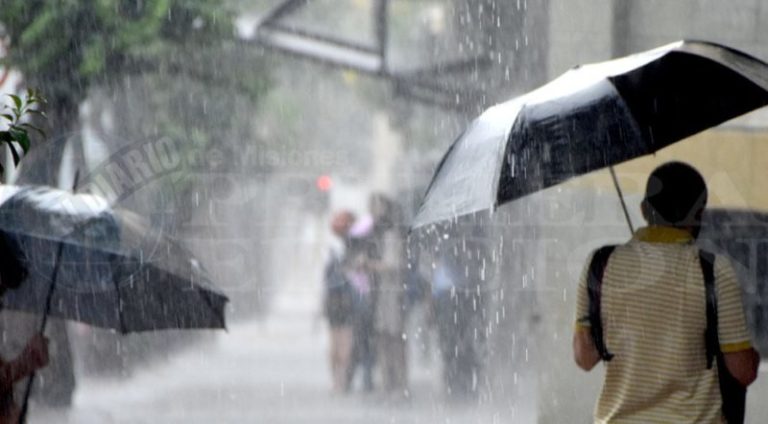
(338, 303)
(35, 354)
(390, 268)
(362, 279)
(458, 306)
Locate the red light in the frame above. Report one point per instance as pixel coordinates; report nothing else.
(324, 183)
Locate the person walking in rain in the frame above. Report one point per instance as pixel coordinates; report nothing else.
(360, 274)
(35, 354)
(338, 303)
(390, 315)
(646, 313)
(457, 308)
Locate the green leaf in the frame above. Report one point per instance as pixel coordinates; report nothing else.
(16, 100)
(6, 137)
(34, 97)
(21, 137)
(8, 116)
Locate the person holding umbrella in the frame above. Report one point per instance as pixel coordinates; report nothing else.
(644, 308)
(596, 116)
(35, 354)
(98, 265)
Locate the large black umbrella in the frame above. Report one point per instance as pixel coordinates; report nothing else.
(105, 267)
(593, 116)
(88, 262)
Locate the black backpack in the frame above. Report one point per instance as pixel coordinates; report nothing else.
(733, 393)
(339, 302)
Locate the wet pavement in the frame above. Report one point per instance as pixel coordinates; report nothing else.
(271, 370)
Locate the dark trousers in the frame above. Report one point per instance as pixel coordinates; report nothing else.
(461, 336)
(364, 347)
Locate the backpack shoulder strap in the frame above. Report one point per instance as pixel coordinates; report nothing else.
(733, 394)
(594, 292)
(707, 261)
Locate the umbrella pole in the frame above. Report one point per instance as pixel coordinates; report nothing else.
(46, 312)
(43, 324)
(621, 199)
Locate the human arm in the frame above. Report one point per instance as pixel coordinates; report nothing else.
(743, 365)
(33, 357)
(585, 353)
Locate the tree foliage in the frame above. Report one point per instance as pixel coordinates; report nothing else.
(67, 48)
(70, 44)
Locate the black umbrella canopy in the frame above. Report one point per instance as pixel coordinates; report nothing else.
(591, 117)
(115, 271)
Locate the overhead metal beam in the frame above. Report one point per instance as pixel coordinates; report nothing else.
(321, 50)
(340, 42)
(381, 22)
(421, 84)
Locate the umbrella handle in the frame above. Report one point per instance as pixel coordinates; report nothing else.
(43, 325)
(621, 199)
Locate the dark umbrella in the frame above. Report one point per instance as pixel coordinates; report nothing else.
(88, 262)
(109, 267)
(592, 117)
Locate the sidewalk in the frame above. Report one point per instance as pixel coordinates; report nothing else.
(273, 370)
(260, 372)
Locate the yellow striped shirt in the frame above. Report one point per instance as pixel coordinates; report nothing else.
(654, 319)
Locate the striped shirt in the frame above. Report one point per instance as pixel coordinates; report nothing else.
(654, 319)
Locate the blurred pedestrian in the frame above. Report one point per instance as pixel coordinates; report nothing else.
(362, 250)
(338, 303)
(457, 311)
(35, 354)
(389, 267)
